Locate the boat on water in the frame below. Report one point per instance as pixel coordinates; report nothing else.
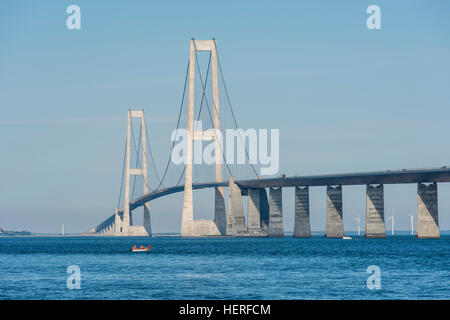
(346, 238)
(141, 249)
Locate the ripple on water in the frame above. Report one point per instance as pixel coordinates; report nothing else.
(231, 268)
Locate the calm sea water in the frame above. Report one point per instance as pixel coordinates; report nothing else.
(231, 268)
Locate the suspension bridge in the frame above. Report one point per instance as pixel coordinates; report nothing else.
(264, 216)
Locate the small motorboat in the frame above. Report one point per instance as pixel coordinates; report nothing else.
(346, 238)
(141, 249)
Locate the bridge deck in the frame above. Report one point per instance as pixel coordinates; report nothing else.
(376, 177)
(362, 178)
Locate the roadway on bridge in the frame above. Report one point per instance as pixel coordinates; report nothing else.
(363, 178)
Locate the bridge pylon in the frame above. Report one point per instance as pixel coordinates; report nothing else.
(189, 226)
(124, 226)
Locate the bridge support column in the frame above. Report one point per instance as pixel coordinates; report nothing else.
(375, 227)
(302, 228)
(147, 222)
(257, 212)
(219, 210)
(427, 211)
(264, 212)
(236, 219)
(335, 225)
(117, 222)
(230, 219)
(126, 202)
(147, 227)
(253, 212)
(275, 212)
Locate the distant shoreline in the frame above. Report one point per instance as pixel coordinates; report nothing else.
(313, 233)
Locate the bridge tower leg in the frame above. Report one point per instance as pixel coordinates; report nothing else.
(375, 227)
(302, 228)
(230, 216)
(117, 223)
(126, 228)
(146, 221)
(335, 225)
(427, 211)
(219, 199)
(189, 226)
(275, 212)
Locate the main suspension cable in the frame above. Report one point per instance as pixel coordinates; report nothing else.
(137, 150)
(151, 155)
(178, 125)
(200, 109)
(123, 174)
(231, 108)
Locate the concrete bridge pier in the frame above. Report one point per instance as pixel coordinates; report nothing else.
(265, 212)
(219, 210)
(105, 230)
(375, 227)
(427, 211)
(117, 223)
(275, 212)
(335, 225)
(257, 212)
(235, 217)
(147, 223)
(253, 212)
(302, 228)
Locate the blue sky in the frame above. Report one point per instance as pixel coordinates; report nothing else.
(345, 98)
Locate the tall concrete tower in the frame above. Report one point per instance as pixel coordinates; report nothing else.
(124, 226)
(189, 226)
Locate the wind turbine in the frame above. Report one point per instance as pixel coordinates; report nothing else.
(359, 229)
(412, 224)
(392, 222)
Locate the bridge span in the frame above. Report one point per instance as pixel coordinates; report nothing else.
(263, 223)
(361, 178)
